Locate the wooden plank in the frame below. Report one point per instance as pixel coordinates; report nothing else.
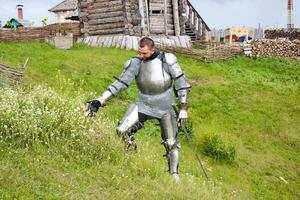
(108, 31)
(105, 15)
(141, 10)
(147, 14)
(103, 10)
(106, 4)
(165, 17)
(106, 20)
(106, 26)
(176, 17)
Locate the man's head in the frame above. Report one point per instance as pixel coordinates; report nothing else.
(146, 48)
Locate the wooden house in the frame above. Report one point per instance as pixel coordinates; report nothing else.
(169, 22)
(18, 23)
(65, 11)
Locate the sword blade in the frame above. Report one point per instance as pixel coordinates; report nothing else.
(189, 139)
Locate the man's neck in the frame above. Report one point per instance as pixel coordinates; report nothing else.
(153, 56)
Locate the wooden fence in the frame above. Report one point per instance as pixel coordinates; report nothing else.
(207, 52)
(11, 75)
(38, 33)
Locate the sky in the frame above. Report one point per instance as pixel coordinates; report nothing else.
(217, 13)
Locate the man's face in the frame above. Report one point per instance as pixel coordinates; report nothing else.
(145, 52)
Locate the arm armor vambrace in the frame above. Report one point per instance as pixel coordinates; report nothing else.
(106, 96)
(123, 82)
(182, 87)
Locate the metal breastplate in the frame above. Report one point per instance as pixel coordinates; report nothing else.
(152, 78)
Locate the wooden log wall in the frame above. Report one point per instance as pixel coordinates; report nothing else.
(139, 17)
(101, 17)
(132, 17)
(156, 17)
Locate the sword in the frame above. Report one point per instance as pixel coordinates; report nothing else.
(192, 145)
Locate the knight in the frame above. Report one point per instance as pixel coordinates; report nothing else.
(159, 78)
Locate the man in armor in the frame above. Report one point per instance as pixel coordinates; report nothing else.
(154, 72)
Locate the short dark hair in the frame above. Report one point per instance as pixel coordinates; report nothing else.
(146, 41)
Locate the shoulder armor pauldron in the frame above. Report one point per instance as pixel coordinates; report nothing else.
(170, 58)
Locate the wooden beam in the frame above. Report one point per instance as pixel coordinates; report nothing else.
(166, 17)
(195, 20)
(190, 13)
(147, 13)
(176, 17)
(199, 27)
(141, 10)
(182, 17)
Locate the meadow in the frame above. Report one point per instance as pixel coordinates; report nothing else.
(244, 121)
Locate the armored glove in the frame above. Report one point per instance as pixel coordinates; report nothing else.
(183, 114)
(93, 107)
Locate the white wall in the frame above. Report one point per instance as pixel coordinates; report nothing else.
(60, 17)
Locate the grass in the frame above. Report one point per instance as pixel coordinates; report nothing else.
(252, 104)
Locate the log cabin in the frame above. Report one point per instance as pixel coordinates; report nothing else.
(121, 23)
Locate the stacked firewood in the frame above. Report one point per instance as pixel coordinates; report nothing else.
(277, 47)
(282, 33)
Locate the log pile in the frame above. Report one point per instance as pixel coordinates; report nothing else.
(277, 47)
(282, 33)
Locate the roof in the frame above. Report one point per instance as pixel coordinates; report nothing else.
(23, 22)
(65, 5)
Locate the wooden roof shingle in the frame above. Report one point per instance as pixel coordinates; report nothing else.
(65, 5)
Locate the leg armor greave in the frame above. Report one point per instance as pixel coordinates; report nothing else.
(169, 136)
(129, 126)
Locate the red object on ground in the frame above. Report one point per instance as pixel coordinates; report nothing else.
(234, 37)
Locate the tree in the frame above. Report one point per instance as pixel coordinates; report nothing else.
(8, 25)
(44, 21)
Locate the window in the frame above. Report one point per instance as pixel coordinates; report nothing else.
(157, 12)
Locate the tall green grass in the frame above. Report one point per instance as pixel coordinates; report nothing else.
(46, 135)
(251, 104)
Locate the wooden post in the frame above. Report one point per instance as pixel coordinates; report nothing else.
(147, 13)
(199, 27)
(195, 20)
(176, 17)
(182, 17)
(190, 14)
(141, 9)
(203, 29)
(166, 17)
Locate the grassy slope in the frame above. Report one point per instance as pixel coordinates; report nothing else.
(251, 103)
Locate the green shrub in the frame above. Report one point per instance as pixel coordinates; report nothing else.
(43, 117)
(214, 147)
